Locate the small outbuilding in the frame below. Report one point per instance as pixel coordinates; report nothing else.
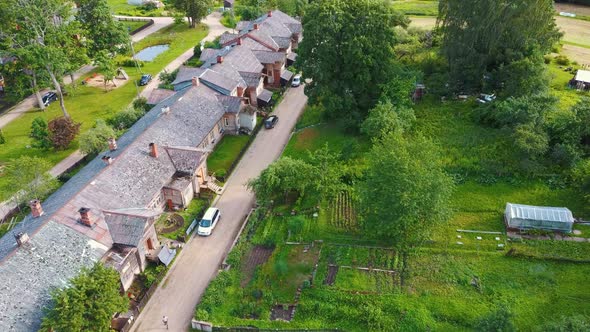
(527, 217)
(581, 81)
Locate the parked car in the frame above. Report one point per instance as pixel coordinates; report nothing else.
(296, 81)
(145, 79)
(271, 121)
(48, 98)
(486, 98)
(209, 221)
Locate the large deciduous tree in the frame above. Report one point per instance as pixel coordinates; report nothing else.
(29, 178)
(88, 304)
(497, 44)
(194, 10)
(348, 51)
(42, 34)
(103, 32)
(404, 194)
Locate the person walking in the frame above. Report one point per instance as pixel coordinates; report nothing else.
(165, 321)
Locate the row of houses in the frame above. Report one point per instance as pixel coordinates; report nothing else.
(107, 211)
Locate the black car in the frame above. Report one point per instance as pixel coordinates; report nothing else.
(271, 121)
(145, 79)
(48, 98)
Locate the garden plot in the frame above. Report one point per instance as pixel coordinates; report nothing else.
(343, 213)
(363, 281)
(256, 257)
(360, 256)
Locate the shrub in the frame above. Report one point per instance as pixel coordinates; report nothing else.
(125, 119)
(129, 62)
(194, 62)
(257, 294)
(140, 104)
(40, 134)
(178, 18)
(213, 44)
(149, 6)
(95, 140)
(62, 132)
(202, 315)
(562, 60)
(497, 321)
(2, 139)
(197, 51)
(547, 58)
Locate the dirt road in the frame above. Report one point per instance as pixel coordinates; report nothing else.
(199, 261)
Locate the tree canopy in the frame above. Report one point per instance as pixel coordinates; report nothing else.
(348, 51)
(194, 10)
(405, 192)
(42, 35)
(29, 178)
(497, 44)
(103, 32)
(88, 303)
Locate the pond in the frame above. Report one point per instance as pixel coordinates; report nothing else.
(149, 53)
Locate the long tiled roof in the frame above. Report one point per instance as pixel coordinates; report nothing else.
(52, 256)
(186, 74)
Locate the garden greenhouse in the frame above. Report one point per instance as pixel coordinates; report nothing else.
(525, 217)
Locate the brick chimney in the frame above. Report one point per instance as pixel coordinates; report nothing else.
(36, 208)
(219, 59)
(255, 26)
(112, 144)
(270, 13)
(240, 91)
(85, 217)
(21, 238)
(107, 160)
(154, 150)
(239, 41)
(196, 81)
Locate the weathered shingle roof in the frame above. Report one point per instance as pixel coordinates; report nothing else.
(283, 42)
(269, 57)
(219, 82)
(186, 74)
(286, 75)
(126, 229)
(230, 103)
(158, 95)
(208, 54)
(241, 25)
(52, 256)
(265, 95)
(251, 79)
(186, 160)
(226, 37)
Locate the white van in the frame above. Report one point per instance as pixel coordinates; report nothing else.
(209, 221)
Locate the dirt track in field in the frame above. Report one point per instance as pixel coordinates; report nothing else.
(575, 31)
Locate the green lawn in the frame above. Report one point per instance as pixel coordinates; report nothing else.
(226, 153)
(86, 104)
(133, 25)
(417, 7)
(121, 7)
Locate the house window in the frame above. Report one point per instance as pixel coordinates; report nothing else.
(226, 121)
